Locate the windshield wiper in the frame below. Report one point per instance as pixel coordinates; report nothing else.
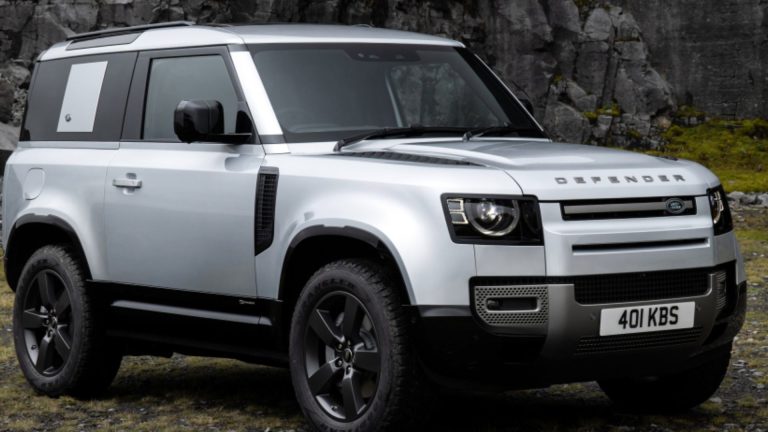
(397, 132)
(499, 130)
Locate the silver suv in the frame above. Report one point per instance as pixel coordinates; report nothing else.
(373, 209)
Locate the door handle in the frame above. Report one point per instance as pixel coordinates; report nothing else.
(127, 183)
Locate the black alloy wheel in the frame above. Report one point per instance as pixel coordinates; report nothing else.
(59, 326)
(352, 361)
(48, 322)
(342, 356)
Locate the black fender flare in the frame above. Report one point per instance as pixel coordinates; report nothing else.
(11, 249)
(347, 232)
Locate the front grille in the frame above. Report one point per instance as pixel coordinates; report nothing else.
(625, 208)
(625, 287)
(639, 341)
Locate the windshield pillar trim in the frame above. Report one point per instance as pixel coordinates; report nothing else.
(256, 95)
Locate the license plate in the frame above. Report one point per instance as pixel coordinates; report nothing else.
(640, 319)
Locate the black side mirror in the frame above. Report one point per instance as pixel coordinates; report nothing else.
(203, 120)
(527, 105)
(197, 119)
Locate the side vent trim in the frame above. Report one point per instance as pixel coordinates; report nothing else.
(266, 198)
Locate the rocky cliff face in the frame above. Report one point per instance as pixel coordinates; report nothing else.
(715, 53)
(607, 74)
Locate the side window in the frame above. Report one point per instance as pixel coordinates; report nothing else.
(174, 79)
(435, 94)
(78, 99)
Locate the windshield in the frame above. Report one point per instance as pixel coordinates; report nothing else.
(327, 92)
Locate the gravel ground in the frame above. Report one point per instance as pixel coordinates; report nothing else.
(187, 393)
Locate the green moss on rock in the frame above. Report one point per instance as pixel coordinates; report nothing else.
(737, 151)
(590, 115)
(689, 111)
(633, 134)
(612, 110)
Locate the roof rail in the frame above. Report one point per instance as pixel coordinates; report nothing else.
(125, 30)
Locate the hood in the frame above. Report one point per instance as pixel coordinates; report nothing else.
(555, 171)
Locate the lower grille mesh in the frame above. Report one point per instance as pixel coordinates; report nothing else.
(625, 287)
(641, 286)
(598, 344)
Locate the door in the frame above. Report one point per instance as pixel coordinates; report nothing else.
(181, 216)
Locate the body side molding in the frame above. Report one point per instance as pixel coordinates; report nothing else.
(191, 322)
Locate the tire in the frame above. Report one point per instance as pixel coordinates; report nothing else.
(668, 394)
(57, 327)
(363, 366)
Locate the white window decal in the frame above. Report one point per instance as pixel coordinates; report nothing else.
(81, 97)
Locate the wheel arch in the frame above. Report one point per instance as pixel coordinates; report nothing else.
(302, 258)
(31, 232)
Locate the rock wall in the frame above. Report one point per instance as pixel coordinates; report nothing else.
(714, 52)
(594, 73)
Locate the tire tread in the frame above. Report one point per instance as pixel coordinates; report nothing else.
(407, 392)
(97, 362)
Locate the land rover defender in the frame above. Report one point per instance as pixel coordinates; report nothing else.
(373, 209)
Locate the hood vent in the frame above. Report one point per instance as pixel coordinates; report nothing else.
(407, 157)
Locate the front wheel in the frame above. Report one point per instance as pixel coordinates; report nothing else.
(56, 327)
(669, 393)
(351, 364)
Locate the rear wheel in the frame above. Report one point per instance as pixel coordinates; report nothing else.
(351, 365)
(56, 328)
(668, 393)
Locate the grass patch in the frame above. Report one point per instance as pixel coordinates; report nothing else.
(737, 151)
(752, 234)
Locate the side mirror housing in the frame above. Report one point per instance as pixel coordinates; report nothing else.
(195, 120)
(203, 120)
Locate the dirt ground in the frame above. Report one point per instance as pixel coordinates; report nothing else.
(186, 393)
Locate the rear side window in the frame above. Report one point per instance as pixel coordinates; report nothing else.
(78, 99)
(172, 80)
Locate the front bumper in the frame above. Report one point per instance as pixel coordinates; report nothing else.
(458, 347)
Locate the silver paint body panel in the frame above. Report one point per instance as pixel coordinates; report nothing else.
(190, 224)
(73, 192)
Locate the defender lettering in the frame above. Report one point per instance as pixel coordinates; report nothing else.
(626, 179)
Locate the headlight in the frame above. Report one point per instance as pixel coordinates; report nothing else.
(496, 220)
(492, 218)
(721, 213)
